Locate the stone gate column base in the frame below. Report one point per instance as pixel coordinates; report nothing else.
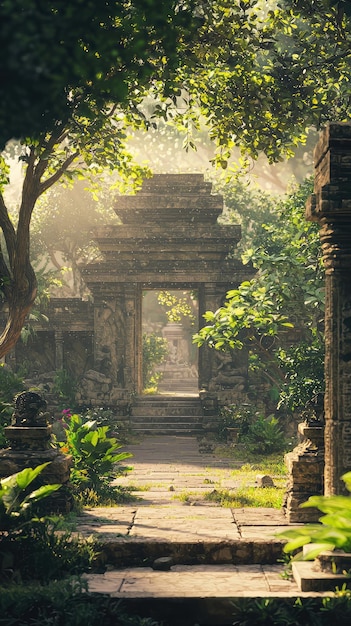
(306, 468)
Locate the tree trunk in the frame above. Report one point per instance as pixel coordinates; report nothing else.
(19, 305)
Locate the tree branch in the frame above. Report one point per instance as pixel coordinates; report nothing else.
(46, 184)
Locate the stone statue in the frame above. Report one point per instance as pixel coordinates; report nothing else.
(316, 406)
(229, 374)
(29, 407)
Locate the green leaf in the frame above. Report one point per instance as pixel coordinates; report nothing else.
(297, 543)
(24, 477)
(314, 549)
(42, 492)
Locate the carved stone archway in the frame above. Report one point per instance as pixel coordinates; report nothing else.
(169, 239)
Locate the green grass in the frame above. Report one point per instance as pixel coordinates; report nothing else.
(246, 494)
(255, 497)
(184, 496)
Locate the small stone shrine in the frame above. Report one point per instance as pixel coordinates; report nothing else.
(31, 445)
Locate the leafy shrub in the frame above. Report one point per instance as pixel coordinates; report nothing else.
(232, 416)
(101, 415)
(261, 435)
(65, 387)
(293, 611)
(29, 547)
(155, 349)
(304, 374)
(16, 499)
(64, 602)
(264, 436)
(95, 458)
(38, 551)
(106, 417)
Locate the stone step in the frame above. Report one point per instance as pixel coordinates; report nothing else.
(201, 595)
(169, 384)
(168, 398)
(166, 425)
(169, 428)
(211, 561)
(166, 409)
(166, 419)
(133, 552)
(203, 534)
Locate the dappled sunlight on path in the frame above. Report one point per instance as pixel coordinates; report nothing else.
(171, 469)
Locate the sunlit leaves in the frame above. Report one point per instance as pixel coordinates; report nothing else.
(248, 314)
(4, 173)
(261, 73)
(176, 307)
(287, 293)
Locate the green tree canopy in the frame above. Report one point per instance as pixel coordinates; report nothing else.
(64, 59)
(75, 75)
(267, 71)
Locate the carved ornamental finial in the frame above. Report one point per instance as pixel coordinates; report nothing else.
(29, 407)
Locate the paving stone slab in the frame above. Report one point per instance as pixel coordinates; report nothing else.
(184, 512)
(195, 581)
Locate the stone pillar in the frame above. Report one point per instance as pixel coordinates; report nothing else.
(209, 300)
(59, 351)
(330, 206)
(131, 338)
(110, 338)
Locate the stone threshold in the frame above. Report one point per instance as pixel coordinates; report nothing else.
(201, 594)
(187, 534)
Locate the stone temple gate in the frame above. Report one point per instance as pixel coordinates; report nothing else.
(169, 238)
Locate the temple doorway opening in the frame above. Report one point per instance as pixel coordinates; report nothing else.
(170, 359)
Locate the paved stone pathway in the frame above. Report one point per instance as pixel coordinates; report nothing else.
(168, 470)
(216, 554)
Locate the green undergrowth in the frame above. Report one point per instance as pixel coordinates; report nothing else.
(65, 603)
(294, 611)
(109, 496)
(247, 496)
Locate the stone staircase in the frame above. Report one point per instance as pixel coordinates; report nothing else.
(185, 564)
(167, 415)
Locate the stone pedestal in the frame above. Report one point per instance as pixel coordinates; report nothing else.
(178, 374)
(30, 447)
(306, 466)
